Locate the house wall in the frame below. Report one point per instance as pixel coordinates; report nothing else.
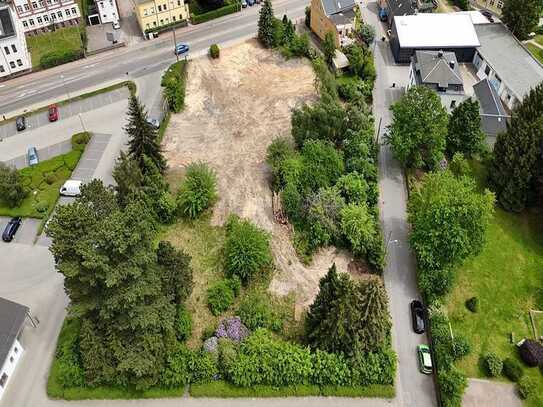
(485, 70)
(14, 56)
(493, 5)
(38, 15)
(158, 13)
(107, 11)
(9, 365)
(320, 24)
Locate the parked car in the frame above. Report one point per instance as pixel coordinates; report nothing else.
(53, 113)
(425, 359)
(116, 25)
(417, 316)
(488, 15)
(243, 3)
(181, 48)
(32, 155)
(153, 122)
(251, 2)
(71, 188)
(10, 229)
(20, 123)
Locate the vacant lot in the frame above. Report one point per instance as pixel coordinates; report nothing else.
(63, 39)
(235, 107)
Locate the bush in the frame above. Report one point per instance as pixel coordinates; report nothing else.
(50, 179)
(367, 33)
(198, 191)
(183, 323)
(459, 166)
(80, 140)
(526, 387)
(247, 249)
(42, 206)
(322, 165)
(291, 200)
(165, 208)
(353, 188)
(377, 367)
(359, 228)
(452, 384)
(214, 51)
(221, 295)
(173, 82)
(12, 191)
(330, 369)
(68, 368)
(210, 15)
(461, 347)
(59, 57)
(493, 364)
(512, 369)
(232, 328)
(228, 352)
(472, 304)
(184, 366)
(278, 151)
(324, 217)
(257, 311)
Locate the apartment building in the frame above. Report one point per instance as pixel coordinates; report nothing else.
(14, 55)
(152, 14)
(106, 11)
(494, 6)
(39, 15)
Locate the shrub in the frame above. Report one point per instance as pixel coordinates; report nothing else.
(512, 370)
(472, 304)
(322, 165)
(59, 57)
(353, 188)
(256, 311)
(80, 140)
(369, 368)
(198, 191)
(165, 208)
(220, 296)
(278, 151)
(452, 384)
(211, 345)
(459, 166)
(247, 249)
(183, 325)
(367, 33)
(42, 206)
(526, 387)
(69, 371)
(12, 191)
(291, 200)
(461, 347)
(184, 366)
(232, 328)
(330, 369)
(50, 179)
(493, 364)
(228, 352)
(173, 82)
(358, 227)
(210, 15)
(323, 217)
(214, 51)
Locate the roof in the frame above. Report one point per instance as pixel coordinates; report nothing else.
(427, 359)
(509, 59)
(344, 17)
(335, 6)
(401, 7)
(438, 67)
(6, 24)
(475, 15)
(340, 60)
(429, 30)
(12, 317)
(493, 115)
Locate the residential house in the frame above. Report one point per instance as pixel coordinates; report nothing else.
(153, 14)
(106, 11)
(14, 55)
(336, 16)
(439, 71)
(493, 115)
(40, 15)
(495, 6)
(12, 319)
(506, 63)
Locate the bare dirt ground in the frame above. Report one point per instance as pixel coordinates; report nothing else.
(235, 107)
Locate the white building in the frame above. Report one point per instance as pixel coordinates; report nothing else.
(106, 12)
(12, 319)
(14, 55)
(40, 15)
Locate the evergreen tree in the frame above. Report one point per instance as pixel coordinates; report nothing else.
(128, 178)
(178, 274)
(143, 137)
(265, 24)
(522, 16)
(329, 47)
(288, 30)
(374, 313)
(464, 133)
(517, 152)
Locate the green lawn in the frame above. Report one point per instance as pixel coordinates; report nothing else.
(62, 39)
(507, 278)
(536, 52)
(539, 39)
(43, 182)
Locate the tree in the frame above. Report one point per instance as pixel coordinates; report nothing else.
(265, 24)
(517, 153)
(522, 16)
(116, 287)
(12, 191)
(359, 227)
(464, 133)
(449, 219)
(288, 30)
(360, 62)
(322, 165)
(143, 137)
(198, 190)
(375, 316)
(419, 127)
(128, 178)
(329, 47)
(323, 217)
(367, 33)
(177, 276)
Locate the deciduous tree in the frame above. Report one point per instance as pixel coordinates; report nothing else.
(12, 191)
(464, 134)
(522, 16)
(329, 47)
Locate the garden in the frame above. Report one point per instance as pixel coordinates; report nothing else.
(56, 47)
(205, 10)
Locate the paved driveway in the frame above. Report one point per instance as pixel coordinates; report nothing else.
(486, 393)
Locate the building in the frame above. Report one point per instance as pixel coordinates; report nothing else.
(336, 16)
(398, 8)
(506, 63)
(106, 11)
(152, 14)
(40, 15)
(14, 55)
(439, 71)
(12, 318)
(493, 115)
(453, 32)
(494, 6)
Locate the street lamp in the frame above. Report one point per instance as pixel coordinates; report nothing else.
(388, 242)
(69, 97)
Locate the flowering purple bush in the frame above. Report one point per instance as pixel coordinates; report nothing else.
(211, 344)
(232, 328)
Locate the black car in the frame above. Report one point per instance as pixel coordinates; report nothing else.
(20, 123)
(417, 316)
(488, 15)
(11, 229)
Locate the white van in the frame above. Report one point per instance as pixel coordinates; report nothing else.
(71, 188)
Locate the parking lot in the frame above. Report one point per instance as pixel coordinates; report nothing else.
(26, 232)
(44, 153)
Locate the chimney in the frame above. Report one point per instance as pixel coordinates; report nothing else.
(440, 54)
(451, 64)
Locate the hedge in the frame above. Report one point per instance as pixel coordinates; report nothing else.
(210, 15)
(162, 28)
(59, 57)
(173, 82)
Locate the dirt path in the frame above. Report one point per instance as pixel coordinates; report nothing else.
(236, 106)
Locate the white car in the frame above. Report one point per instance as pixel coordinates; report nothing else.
(116, 25)
(71, 188)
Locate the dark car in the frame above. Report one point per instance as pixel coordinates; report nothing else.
(251, 2)
(488, 15)
(11, 229)
(181, 48)
(417, 316)
(53, 113)
(20, 123)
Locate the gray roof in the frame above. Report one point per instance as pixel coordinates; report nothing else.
(12, 318)
(438, 67)
(493, 115)
(6, 25)
(337, 6)
(512, 62)
(343, 17)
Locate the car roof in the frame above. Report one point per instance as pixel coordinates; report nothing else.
(72, 183)
(426, 359)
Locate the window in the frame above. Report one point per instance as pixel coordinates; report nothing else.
(41, 3)
(165, 7)
(67, 11)
(178, 2)
(161, 21)
(159, 8)
(453, 104)
(11, 359)
(26, 6)
(498, 79)
(31, 21)
(59, 14)
(3, 380)
(181, 16)
(500, 4)
(25, 24)
(15, 350)
(19, 62)
(74, 11)
(39, 20)
(508, 97)
(46, 18)
(147, 25)
(487, 70)
(2, 69)
(6, 50)
(19, 9)
(49, 2)
(34, 4)
(145, 13)
(13, 48)
(154, 23)
(53, 16)
(173, 18)
(12, 64)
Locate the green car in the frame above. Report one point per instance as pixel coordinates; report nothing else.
(425, 359)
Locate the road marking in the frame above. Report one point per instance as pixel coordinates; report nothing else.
(89, 66)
